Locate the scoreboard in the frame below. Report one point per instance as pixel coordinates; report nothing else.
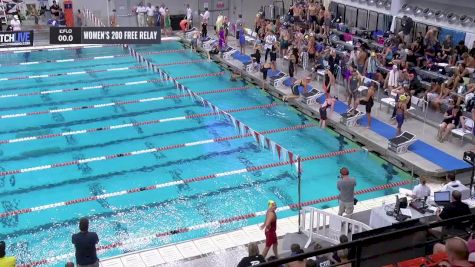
(105, 35)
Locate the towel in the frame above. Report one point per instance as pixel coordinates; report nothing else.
(469, 39)
(393, 78)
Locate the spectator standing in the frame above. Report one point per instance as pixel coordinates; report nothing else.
(346, 186)
(113, 19)
(85, 244)
(254, 257)
(270, 228)
(407, 25)
(162, 12)
(79, 18)
(4, 260)
(15, 23)
(204, 23)
(168, 22)
(141, 10)
(189, 16)
(452, 182)
(421, 190)
(150, 15)
(54, 9)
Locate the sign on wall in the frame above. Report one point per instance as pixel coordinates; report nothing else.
(105, 35)
(16, 39)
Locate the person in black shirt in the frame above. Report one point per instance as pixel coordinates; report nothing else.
(451, 120)
(254, 257)
(456, 209)
(460, 49)
(54, 9)
(85, 244)
(472, 51)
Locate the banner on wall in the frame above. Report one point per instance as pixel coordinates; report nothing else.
(105, 35)
(16, 39)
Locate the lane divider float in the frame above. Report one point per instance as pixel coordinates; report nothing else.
(70, 73)
(168, 184)
(213, 224)
(103, 105)
(125, 154)
(32, 49)
(64, 60)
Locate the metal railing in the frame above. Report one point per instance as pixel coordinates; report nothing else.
(319, 224)
(382, 246)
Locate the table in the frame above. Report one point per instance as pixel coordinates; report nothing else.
(379, 218)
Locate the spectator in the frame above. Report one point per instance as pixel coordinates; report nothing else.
(69, 264)
(4, 260)
(254, 257)
(204, 23)
(294, 251)
(141, 10)
(168, 22)
(270, 228)
(421, 190)
(451, 120)
(54, 9)
(273, 258)
(150, 11)
(336, 257)
(460, 49)
(269, 43)
(85, 244)
(311, 263)
(452, 182)
(320, 260)
(189, 16)
(346, 186)
(343, 255)
(15, 23)
(113, 19)
(79, 18)
(457, 253)
(407, 24)
(472, 51)
(455, 209)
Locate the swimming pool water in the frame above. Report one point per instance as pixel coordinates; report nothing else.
(39, 235)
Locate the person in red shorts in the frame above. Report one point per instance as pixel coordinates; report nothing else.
(270, 226)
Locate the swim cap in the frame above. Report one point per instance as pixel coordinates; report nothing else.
(402, 98)
(270, 203)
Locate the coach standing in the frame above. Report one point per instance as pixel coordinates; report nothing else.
(346, 186)
(85, 244)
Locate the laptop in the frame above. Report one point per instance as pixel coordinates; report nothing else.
(442, 198)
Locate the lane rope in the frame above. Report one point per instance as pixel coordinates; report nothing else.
(165, 51)
(184, 181)
(127, 125)
(243, 128)
(85, 88)
(32, 49)
(182, 63)
(69, 73)
(103, 105)
(213, 224)
(125, 154)
(64, 60)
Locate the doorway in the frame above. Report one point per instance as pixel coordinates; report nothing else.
(125, 17)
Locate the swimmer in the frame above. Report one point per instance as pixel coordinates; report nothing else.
(270, 227)
(235, 76)
(296, 88)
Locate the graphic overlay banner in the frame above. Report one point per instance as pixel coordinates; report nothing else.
(16, 39)
(105, 35)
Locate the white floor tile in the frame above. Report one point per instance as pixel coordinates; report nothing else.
(239, 237)
(188, 249)
(223, 241)
(112, 263)
(170, 253)
(151, 258)
(133, 260)
(255, 233)
(205, 245)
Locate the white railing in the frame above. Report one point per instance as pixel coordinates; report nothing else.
(319, 224)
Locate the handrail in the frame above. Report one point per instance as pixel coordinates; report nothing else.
(369, 240)
(328, 226)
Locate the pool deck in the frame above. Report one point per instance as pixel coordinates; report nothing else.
(227, 249)
(425, 130)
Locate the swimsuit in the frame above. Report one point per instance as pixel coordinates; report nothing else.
(399, 117)
(271, 236)
(369, 104)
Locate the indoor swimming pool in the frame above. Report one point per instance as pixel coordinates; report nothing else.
(85, 122)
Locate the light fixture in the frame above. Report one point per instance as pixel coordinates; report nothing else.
(452, 17)
(418, 11)
(428, 13)
(380, 3)
(439, 15)
(466, 20)
(387, 6)
(371, 2)
(406, 8)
